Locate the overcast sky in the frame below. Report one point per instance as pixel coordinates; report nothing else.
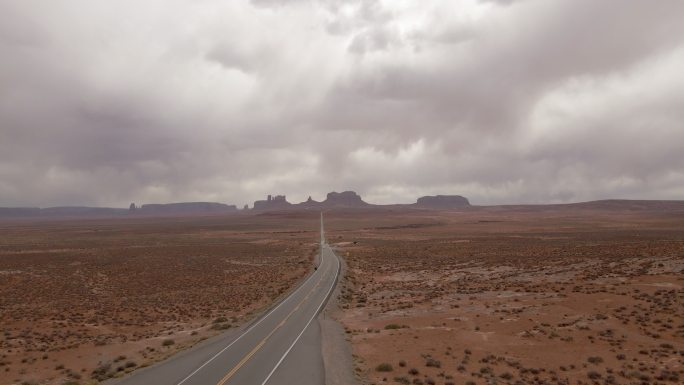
(530, 101)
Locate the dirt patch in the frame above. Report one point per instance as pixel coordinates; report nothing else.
(336, 349)
(514, 297)
(89, 300)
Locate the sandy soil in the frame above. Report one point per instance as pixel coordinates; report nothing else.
(481, 296)
(86, 300)
(335, 347)
(514, 296)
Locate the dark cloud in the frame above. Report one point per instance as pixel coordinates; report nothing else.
(538, 101)
(501, 2)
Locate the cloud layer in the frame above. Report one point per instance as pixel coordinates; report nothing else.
(104, 103)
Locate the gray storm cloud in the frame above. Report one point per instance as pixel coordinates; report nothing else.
(104, 103)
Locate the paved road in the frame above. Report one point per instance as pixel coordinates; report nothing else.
(282, 347)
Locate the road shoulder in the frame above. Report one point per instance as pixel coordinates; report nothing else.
(335, 349)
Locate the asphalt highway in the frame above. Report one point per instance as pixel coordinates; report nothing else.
(283, 346)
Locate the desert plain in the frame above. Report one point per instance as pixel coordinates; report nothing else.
(562, 294)
(82, 301)
(578, 294)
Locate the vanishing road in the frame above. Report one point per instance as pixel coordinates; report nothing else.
(283, 346)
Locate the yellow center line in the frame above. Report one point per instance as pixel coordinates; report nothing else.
(263, 341)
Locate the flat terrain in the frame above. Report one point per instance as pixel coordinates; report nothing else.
(86, 300)
(280, 347)
(588, 294)
(515, 295)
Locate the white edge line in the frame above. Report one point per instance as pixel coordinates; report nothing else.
(307, 324)
(246, 331)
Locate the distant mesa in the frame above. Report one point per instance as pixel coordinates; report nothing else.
(184, 208)
(334, 200)
(442, 201)
(344, 199)
(310, 203)
(278, 202)
(78, 211)
(59, 212)
(19, 212)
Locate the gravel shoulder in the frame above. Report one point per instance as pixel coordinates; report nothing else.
(336, 350)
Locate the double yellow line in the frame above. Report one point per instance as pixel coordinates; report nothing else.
(249, 355)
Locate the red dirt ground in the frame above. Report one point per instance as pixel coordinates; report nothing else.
(514, 296)
(86, 300)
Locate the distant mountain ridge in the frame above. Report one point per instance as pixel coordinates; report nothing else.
(334, 200)
(62, 211)
(185, 208)
(442, 201)
(154, 209)
(345, 199)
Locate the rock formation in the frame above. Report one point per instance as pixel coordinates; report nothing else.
(343, 199)
(278, 202)
(310, 203)
(186, 208)
(442, 201)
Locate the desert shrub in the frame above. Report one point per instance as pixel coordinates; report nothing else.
(413, 371)
(666, 375)
(73, 375)
(595, 360)
(395, 326)
(506, 376)
(384, 367)
(221, 326)
(402, 380)
(643, 377)
(402, 363)
(102, 372)
(594, 375)
(168, 342)
(433, 363)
